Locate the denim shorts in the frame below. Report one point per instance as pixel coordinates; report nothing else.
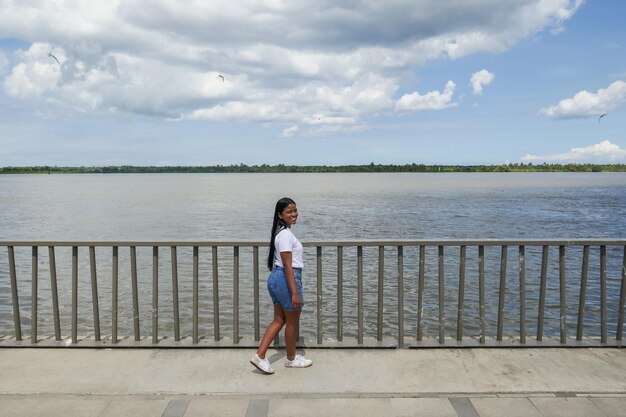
(279, 290)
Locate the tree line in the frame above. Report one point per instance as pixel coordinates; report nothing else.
(281, 168)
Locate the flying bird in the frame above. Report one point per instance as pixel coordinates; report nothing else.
(221, 76)
(55, 58)
(601, 116)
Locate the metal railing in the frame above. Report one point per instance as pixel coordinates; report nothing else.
(374, 293)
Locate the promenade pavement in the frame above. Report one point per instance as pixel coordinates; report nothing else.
(342, 382)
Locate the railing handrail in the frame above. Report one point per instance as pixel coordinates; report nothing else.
(328, 242)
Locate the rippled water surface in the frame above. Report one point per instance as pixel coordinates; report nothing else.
(336, 206)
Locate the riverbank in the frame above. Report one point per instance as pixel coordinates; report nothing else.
(281, 168)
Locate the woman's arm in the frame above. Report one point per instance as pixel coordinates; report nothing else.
(296, 300)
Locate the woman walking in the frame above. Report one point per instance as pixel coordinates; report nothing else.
(285, 261)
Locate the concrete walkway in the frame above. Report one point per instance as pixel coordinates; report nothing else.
(360, 382)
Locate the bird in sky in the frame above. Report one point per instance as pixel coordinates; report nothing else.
(221, 76)
(601, 116)
(54, 57)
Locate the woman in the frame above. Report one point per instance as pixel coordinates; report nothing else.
(285, 287)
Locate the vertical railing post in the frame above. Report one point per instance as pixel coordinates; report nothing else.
(236, 295)
(175, 305)
(481, 292)
(340, 293)
(542, 291)
(34, 295)
(603, 314)
(442, 328)
(522, 294)
(562, 295)
(155, 295)
(420, 293)
(319, 303)
(255, 280)
(400, 296)
(461, 301)
(501, 292)
(14, 295)
(135, 292)
(54, 293)
(114, 292)
(74, 294)
(216, 295)
(195, 304)
(359, 281)
(381, 284)
(619, 332)
(94, 293)
(583, 294)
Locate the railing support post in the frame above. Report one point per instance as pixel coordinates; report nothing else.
(542, 291)
(135, 292)
(583, 294)
(380, 292)
(94, 293)
(14, 295)
(442, 323)
(420, 293)
(339, 293)
(34, 295)
(114, 292)
(461, 301)
(155, 295)
(562, 295)
(501, 292)
(481, 292)
(359, 281)
(400, 296)
(54, 294)
(195, 307)
(619, 332)
(74, 295)
(236, 295)
(522, 294)
(603, 313)
(319, 303)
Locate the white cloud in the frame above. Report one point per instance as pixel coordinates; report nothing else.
(238, 110)
(4, 62)
(585, 104)
(290, 131)
(480, 79)
(433, 100)
(35, 75)
(599, 152)
(314, 105)
(283, 61)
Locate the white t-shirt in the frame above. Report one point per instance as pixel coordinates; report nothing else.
(286, 241)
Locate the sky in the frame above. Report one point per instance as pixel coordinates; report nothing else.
(332, 82)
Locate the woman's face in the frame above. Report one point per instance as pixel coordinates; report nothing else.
(289, 215)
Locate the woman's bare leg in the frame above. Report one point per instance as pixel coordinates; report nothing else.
(272, 330)
(291, 331)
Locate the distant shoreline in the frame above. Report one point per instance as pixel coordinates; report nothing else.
(242, 168)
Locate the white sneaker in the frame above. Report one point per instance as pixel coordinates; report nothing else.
(262, 365)
(298, 362)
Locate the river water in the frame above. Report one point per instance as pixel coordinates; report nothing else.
(338, 206)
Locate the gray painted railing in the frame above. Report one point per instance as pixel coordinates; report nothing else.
(424, 293)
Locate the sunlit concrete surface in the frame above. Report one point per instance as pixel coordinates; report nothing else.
(341, 382)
